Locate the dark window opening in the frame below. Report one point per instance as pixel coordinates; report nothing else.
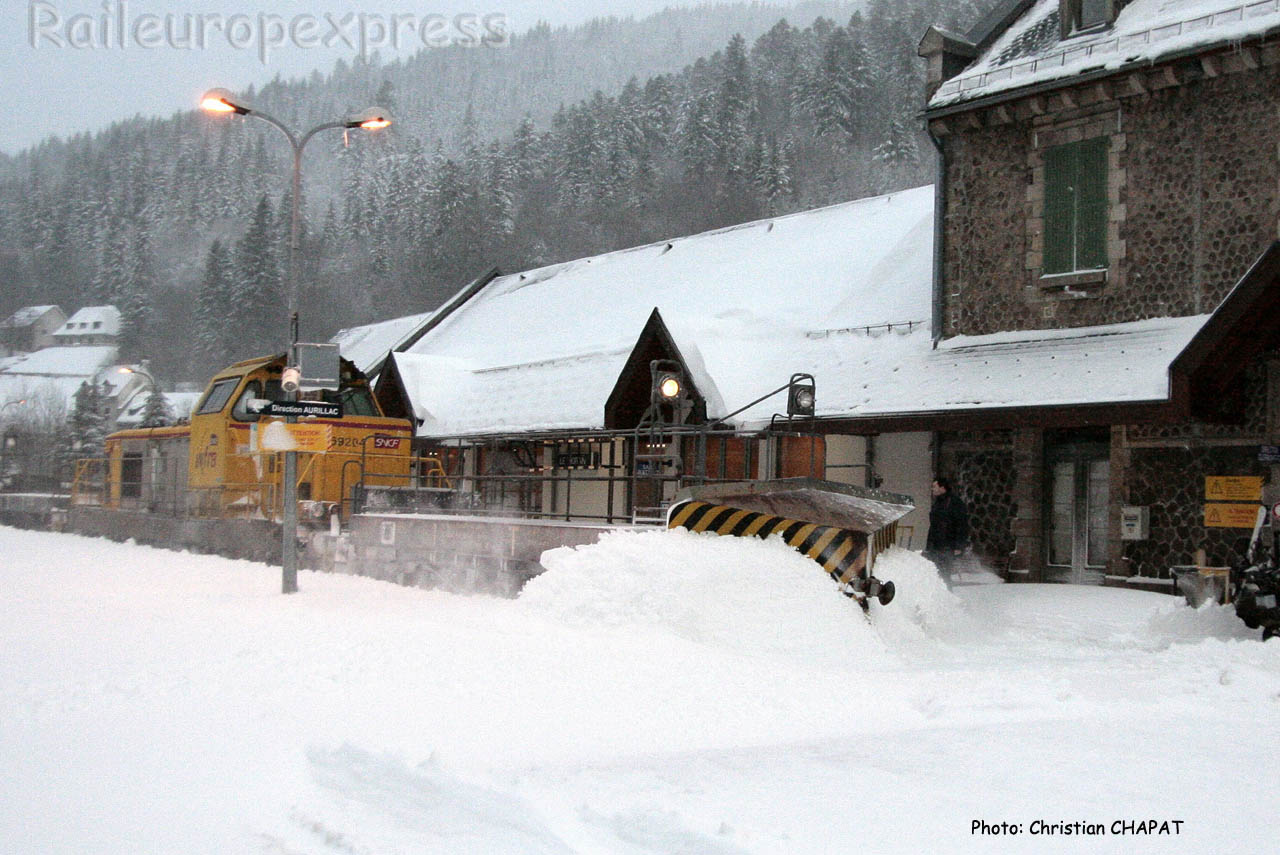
(217, 396)
(131, 476)
(1087, 15)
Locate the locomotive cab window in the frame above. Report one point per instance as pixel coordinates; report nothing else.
(253, 390)
(355, 401)
(218, 396)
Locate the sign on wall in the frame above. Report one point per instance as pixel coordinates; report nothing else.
(577, 455)
(1233, 488)
(1230, 516)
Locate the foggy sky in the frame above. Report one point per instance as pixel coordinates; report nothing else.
(70, 81)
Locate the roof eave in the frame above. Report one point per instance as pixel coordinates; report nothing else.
(1004, 96)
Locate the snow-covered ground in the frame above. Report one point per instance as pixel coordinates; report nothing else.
(662, 692)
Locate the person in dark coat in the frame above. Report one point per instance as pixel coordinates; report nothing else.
(948, 527)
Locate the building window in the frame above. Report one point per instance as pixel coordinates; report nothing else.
(1080, 16)
(1075, 207)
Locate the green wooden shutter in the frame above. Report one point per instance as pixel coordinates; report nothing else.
(1091, 204)
(1059, 206)
(1075, 206)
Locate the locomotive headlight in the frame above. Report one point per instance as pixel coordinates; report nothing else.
(291, 379)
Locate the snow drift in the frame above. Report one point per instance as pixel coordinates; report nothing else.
(754, 597)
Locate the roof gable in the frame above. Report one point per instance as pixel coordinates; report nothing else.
(629, 400)
(1240, 330)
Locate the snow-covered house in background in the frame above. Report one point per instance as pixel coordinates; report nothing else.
(29, 329)
(92, 325)
(1110, 176)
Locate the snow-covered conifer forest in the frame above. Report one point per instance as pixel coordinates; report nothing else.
(569, 142)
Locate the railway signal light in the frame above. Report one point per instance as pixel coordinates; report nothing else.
(801, 398)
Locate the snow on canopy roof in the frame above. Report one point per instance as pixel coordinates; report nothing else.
(82, 322)
(1031, 50)
(369, 344)
(543, 349)
(1116, 363)
(26, 316)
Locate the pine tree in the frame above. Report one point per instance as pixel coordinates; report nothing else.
(215, 308)
(838, 93)
(260, 308)
(733, 107)
(157, 412)
(87, 427)
(134, 299)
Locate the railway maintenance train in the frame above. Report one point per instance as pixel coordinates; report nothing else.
(227, 462)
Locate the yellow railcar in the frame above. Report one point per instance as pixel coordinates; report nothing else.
(227, 462)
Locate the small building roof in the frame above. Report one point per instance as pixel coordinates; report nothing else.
(1115, 363)
(1030, 49)
(53, 374)
(63, 361)
(369, 344)
(26, 316)
(92, 320)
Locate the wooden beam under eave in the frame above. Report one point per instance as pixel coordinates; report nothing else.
(1001, 115)
(972, 121)
(1211, 66)
(1036, 104)
(1137, 83)
(1249, 56)
(1101, 91)
(1069, 100)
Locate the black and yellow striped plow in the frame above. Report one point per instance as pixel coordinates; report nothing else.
(840, 551)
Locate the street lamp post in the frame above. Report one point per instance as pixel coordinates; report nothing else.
(222, 101)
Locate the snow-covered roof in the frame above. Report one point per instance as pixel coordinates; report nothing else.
(368, 345)
(53, 374)
(92, 320)
(26, 316)
(840, 293)
(1031, 50)
(543, 349)
(1116, 363)
(81, 362)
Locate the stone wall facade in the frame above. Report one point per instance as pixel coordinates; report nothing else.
(1193, 193)
(1193, 196)
(981, 466)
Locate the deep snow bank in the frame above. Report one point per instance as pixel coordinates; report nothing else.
(923, 608)
(752, 596)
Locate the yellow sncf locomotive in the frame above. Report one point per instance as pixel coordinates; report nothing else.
(228, 462)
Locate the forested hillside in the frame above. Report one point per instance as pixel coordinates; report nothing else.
(498, 157)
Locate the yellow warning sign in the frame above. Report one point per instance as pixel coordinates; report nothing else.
(1232, 488)
(1230, 516)
(314, 437)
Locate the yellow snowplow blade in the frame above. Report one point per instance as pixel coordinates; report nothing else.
(839, 526)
